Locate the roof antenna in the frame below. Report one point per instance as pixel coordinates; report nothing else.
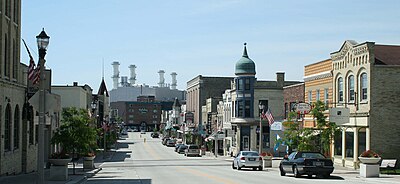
(102, 74)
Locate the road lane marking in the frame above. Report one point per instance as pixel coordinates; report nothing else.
(152, 152)
(198, 173)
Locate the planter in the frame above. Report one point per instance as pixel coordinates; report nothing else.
(60, 161)
(369, 160)
(89, 158)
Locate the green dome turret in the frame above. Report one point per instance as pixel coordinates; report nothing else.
(245, 66)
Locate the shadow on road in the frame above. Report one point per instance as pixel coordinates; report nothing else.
(119, 181)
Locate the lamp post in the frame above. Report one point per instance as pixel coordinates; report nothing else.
(261, 108)
(42, 42)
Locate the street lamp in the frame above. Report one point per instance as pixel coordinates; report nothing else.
(42, 42)
(261, 108)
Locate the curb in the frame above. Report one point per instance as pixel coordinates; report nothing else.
(81, 180)
(92, 172)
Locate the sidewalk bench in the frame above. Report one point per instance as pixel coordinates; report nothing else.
(388, 164)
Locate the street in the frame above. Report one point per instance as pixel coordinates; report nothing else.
(148, 162)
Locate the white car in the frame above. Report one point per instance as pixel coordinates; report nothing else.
(247, 159)
(193, 150)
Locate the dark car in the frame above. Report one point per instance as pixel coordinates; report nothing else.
(306, 163)
(164, 140)
(181, 148)
(177, 146)
(154, 135)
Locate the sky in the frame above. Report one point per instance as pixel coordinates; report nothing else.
(198, 37)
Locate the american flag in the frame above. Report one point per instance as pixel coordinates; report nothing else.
(37, 74)
(267, 115)
(31, 68)
(270, 117)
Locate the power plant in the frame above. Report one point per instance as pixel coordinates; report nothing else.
(127, 89)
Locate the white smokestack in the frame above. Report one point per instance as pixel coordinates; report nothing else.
(173, 83)
(161, 83)
(115, 75)
(132, 79)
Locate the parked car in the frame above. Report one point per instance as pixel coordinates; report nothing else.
(171, 143)
(124, 132)
(164, 140)
(192, 149)
(182, 148)
(247, 159)
(177, 146)
(142, 132)
(154, 135)
(306, 163)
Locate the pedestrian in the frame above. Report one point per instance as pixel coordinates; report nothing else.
(144, 140)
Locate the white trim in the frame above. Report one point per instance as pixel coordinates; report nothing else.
(317, 76)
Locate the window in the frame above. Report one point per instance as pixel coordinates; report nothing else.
(364, 86)
(309, 96)
(351, 88)
(16, 127)
(14, 60)
(6, 61)
(326, 95)
(247, 84)
(240, 109)
(31, 125)
(240, 84)
(7, 128)
(8, 7)
(247, 109)
(340, 89)
(16, 7)
(338, 143)
(262, 102)
(317, 98)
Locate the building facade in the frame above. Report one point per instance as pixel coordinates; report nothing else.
(365, 81)
(198, 90)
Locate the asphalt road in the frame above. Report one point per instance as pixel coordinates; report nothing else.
(150, 162)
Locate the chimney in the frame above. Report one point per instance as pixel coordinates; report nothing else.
(115, 75)
(161, 83)
(75, 83)
(173, 83)
(132, 79)
(280, 79)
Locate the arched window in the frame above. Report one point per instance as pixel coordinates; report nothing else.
(340, 89)
(351, 88)
(363, 86)
(7, 128)
(16, 127)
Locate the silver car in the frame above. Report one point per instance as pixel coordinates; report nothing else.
(247, 159)
(193, 150)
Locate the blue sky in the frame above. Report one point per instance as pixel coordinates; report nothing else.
(198, 37)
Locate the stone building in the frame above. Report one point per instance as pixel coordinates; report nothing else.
(292, 95)
(17, 144)
(365, 81)
(198, 90)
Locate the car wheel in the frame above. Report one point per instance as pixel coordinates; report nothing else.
(238, 167)
(326, 175)
(309, 176)
(233, 166)
(296, 172)
(260, 168)
(282, 171)
(254, 168)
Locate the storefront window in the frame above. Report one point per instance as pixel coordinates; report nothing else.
(338, 143)
(349, 144)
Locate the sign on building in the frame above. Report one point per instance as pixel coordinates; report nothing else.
(302, 108)
(339, 115)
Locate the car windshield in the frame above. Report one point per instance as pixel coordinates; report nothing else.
(250, 153)
(194, 147)
(312, 155)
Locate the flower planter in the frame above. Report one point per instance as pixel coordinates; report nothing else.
(89, 158)
(369, 160)
(60, 161)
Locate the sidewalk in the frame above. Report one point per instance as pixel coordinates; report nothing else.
(339, 171)
(80, 175)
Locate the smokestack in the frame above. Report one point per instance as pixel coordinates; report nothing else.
(115, 75)
(173, 83)
(132, 79)
(161, 83)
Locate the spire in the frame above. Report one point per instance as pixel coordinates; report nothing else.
(103, 89)
(245, 51)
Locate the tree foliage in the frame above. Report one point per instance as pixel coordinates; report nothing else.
(318, 138)
(76, 133)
